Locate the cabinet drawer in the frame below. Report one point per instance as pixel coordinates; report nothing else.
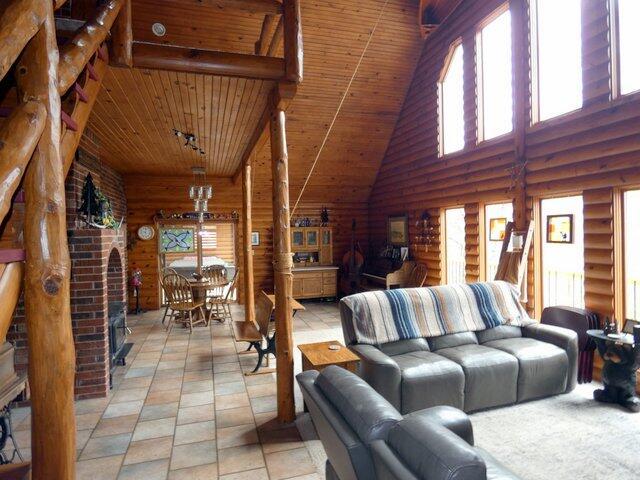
(329, 277)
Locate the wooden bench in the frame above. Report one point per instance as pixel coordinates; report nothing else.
(255, 333)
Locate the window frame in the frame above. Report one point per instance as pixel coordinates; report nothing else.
(484, 247)
(620, 251)
(480, 113)
(443, 74)
(534, 52)
(614, 54)
(444, 251)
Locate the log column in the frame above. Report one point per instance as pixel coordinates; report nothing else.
(282, 265)
(249, 305)
(50, 339)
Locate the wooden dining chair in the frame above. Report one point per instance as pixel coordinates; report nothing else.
(215, 274)
(167, 305)
(222, 305)
(259, 333)
(417, 277)
(180, 297)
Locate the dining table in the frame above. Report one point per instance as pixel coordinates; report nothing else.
(199, 289)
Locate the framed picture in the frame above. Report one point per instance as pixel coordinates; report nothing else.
(560, 228)
(255, 239)
(629, 324)
(177, 240)
(497, 229)
(398, 230)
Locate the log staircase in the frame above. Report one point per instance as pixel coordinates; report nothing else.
(55, 92)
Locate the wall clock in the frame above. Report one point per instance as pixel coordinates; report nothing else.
(146, 232)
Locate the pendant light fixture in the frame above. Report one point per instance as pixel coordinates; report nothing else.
(200, 192)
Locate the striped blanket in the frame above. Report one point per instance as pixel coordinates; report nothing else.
(390, 315)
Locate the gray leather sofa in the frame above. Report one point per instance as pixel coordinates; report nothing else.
(366, 438)
(469, 370)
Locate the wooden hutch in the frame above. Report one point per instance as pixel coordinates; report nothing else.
(314, 275)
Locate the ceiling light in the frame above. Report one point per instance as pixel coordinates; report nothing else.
(158, 29)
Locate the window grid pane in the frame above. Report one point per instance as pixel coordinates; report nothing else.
(493, 248)
(455, 245)
(629, 40)
(559, 57)
(452, 128)
(497, 98)
(631, 254)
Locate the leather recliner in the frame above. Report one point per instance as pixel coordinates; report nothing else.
(366, 438)
(469, 370)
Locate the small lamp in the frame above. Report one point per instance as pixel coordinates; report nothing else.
(516, 243)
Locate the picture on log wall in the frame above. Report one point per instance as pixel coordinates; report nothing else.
(398, 230)
(560, 228)
(497, 229)
(177, 240)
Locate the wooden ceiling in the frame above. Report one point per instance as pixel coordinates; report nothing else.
(137, 109)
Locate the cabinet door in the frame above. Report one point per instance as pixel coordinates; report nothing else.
(312, 286)
(330, 283)
(297, 237)
(313, 237)
(326, 246)
(297, 287)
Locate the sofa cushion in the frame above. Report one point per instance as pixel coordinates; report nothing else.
(434, 452)
(429, 380)
(543, 367)
(495, 470)
(366, 411)
(404, 346)
(452, 340)
(491, 375)
(498, 333)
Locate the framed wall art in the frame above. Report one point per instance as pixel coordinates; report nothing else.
(177, 240)
(560, 228)
(255, 239)
(497, 229)
(398, 230)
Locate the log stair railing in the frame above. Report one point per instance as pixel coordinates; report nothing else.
(38, 140)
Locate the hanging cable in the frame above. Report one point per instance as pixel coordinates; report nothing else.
(344, 96)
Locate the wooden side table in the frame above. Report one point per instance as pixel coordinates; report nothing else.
(317, 356)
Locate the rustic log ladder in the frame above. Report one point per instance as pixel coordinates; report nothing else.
(35, 145)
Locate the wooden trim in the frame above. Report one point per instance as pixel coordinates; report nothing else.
(619, 252)
(178, 59)
(272, 7)
(614, 45)
(122, 38)
(19, 22)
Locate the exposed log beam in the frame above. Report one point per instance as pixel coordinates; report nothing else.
(162, 57)
(19, 136)
(273, 7)
(11, 276)
(293, 50)
(520, 98)
(71, 139)
(75, 54)
(52, 357)
(282, 265)
(68, 26)
(19, 22)
(249, 305)
(276, 40)
(122, 38)
(262, 45)
(280, 96)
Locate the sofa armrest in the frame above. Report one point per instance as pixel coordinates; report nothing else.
(560, 337)
(451, 418)
(381, 372)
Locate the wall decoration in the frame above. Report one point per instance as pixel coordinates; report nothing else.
(398, 230)
(177, 239)
(560, 228)
(146, 232)
(255, 239)
(497, 229)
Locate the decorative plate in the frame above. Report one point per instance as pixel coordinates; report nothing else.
(146, 232)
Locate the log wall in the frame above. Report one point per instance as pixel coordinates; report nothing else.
(594, 151)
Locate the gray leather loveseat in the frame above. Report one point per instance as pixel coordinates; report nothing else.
(468, 370)
(366, 438)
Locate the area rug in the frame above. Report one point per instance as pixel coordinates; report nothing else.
(565, 437)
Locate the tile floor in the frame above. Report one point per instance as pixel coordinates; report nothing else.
(182, 409)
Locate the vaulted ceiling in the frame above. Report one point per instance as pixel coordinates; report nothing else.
(137, 109)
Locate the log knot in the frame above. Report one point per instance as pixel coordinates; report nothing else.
(51, 284)
(52, 206)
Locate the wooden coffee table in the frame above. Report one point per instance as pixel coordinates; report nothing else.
(317, 356)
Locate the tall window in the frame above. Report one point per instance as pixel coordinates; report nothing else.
(452, 103)
(495, 102)
(628, 20)
(631, 253)
(558, 39)
(496, 218)
(563, 252)
(455, 245)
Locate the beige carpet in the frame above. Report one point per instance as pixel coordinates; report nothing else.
(565, 437)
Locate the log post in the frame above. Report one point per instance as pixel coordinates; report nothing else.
(282, 264)
(520, 120)
(293, 51)
(47, 308)
(249, 305)
(122, 38)
(19, 136)
(262, 45)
